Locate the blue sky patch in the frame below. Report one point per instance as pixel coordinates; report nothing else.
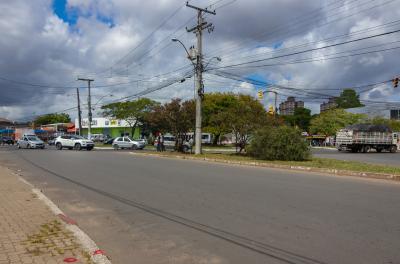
(258, 79)
(71, 15)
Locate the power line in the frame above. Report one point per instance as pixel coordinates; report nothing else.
(309, 50)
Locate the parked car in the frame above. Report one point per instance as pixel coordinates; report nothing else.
(73, 142)
(97, 137)
(127, 142)
(108, 141)
(30, 141)
(169, 143)
(7, 140)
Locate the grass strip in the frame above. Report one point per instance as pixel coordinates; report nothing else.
(321, 163)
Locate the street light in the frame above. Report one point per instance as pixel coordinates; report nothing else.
(215, 57)
(187, 52)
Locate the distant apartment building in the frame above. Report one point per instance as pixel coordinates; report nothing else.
(395, 114)
(288, 107)
(331, 104)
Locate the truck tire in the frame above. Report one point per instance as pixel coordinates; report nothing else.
(393, 149)
(59, 146)
(366, 149)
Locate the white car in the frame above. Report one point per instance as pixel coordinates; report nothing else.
(73, 142)
(30, 141)
(127, 142)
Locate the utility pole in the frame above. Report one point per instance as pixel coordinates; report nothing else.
(198, 30)
(79, 111)
(89, 106)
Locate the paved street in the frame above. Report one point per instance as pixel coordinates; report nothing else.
(384, 158)
(156, 210)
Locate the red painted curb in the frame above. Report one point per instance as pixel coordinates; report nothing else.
(67, 219)
(70, 260)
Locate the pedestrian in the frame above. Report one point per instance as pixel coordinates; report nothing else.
(158, 143)
(162, 142)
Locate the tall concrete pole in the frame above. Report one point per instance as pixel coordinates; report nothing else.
(89, 106)
(79, 111)
(201, 25)
(199, 87)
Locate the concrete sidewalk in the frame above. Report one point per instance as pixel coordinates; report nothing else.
(29, 231)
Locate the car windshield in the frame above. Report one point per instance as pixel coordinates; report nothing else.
(32, 138)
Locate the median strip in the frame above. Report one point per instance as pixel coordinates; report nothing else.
(322, 165)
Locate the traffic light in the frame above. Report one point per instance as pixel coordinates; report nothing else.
(271, 110)
(260, 94)
(395, 82)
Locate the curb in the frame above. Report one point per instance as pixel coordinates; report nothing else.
(369, 175)
(86, 242)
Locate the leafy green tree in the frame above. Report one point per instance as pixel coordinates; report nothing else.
(244, 118)
(133, 112)
(348, 99)
(301, 118)
(279, 143)
(175, 117)
(52, 119)
(215, 112)
(329, 122)
(393, 124)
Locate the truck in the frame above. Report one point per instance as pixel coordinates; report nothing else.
(365, 137)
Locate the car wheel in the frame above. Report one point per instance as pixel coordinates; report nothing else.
(77, 146)
(115, 146)
(185, 149)
(89, 149)
(134, 147)
(59, 146)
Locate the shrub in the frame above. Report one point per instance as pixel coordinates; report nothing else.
(279, 143)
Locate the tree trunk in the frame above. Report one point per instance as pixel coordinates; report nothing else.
(216, 139)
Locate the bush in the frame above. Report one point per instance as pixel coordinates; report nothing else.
(279, 143)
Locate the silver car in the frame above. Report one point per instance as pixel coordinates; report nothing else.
(30, 141)
(127, 143)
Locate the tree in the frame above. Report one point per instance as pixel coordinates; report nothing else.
(393, 124)
(215, 111)
(176, 117)
(301, 118)
(133, 112)
(244, 118)
(348, 99)
(52, 119)
(279, 143)
(329, 122)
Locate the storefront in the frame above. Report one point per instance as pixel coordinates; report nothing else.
(107, 127)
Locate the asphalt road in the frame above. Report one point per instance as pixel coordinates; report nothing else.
(158, 210)
(384, 158)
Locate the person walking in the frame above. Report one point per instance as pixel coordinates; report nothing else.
(158, 143)
(162, 143)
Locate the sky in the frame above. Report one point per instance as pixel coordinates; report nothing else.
(288, 46)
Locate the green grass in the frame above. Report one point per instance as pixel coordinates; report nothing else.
(321, 163)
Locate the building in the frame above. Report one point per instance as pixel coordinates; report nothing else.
(395, 114)
(5, 123)
(107, 127)
(288, 107)
(331, 104)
